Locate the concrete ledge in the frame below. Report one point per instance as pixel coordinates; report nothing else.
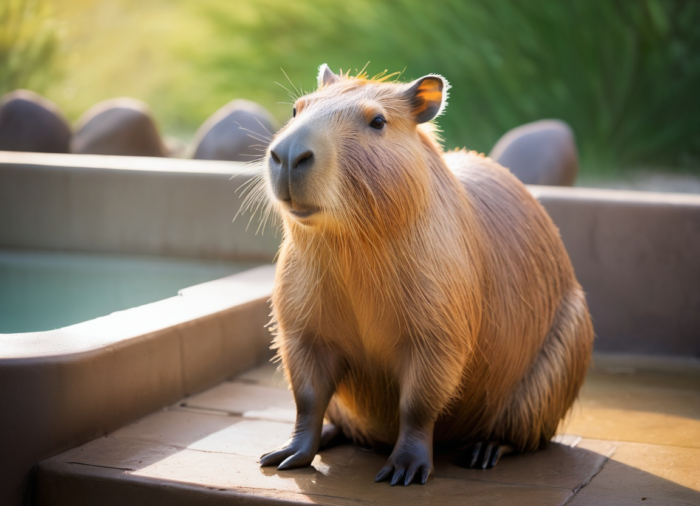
(637, 256)
(635, 253)
(62, 388)
(129, 205)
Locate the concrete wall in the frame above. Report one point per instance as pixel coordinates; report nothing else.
(636, 254)
(133, 205)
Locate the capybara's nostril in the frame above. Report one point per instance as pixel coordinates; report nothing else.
(302, 158)
(275, 157)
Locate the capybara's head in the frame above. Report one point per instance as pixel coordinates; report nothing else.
(356, 153)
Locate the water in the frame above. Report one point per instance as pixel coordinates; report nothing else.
(44, 291)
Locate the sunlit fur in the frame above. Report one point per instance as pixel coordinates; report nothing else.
(429, 280)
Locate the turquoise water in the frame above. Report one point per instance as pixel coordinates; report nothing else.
(44, 291)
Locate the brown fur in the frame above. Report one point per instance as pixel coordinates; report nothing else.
(431, 283)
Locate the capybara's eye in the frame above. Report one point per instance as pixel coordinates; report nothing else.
(294, 112)
(378, 122)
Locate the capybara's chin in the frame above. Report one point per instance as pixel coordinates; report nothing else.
(302, 212)
(430, 301)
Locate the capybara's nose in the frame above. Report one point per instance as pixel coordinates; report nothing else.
(289, 155)
(290, 161)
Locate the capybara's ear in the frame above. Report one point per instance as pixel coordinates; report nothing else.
(326, 76)
(427, 97)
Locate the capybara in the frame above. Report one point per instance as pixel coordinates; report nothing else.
(119, 126)
(421, 298)
(542, 152)
(239, 131)
(30, 122)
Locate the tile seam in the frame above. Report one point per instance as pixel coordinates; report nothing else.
(606, 459)
(591, 438)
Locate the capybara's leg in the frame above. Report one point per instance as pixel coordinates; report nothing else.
(544, 396)
(313, 372)
(423, 396)
(331, 436)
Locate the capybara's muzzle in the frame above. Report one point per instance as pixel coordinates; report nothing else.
(290, 163)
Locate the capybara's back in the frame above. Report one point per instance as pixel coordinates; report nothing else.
(536, 336)
(421, 297)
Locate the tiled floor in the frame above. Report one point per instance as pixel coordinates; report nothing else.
(634, 438)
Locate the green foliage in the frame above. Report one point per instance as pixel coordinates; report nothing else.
(29, 45)
(625, 74)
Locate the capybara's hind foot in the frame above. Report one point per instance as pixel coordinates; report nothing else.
(482, 455)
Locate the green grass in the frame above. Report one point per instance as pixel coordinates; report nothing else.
(624, 73)
(29, 46)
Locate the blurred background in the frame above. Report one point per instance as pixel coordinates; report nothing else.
(625, 74)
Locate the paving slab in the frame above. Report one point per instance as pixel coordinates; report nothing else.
(559, 465)
(207, 431)
(205, 449)
(645, 474)
(646, 406)
(269, 375)
(341, 476)
(248, 400)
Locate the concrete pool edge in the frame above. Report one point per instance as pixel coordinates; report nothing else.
(130, 205)
(143, 359)
(635, 253)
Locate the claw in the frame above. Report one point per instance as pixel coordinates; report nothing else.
(383, 474)
(272, 458)
(475, 452)
(496, 456)
(397, 476)
(486, 456)
(482, 455)
(410, 474)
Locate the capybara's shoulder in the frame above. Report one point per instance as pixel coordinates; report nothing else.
(487, 181)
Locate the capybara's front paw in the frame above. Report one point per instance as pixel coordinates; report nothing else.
(408, 463)
(296, 453)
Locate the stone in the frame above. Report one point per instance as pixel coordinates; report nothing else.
(239, 131)
(120, 126)
(543, 153)
(29, 122)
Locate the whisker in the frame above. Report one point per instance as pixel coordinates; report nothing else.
(265, 128)
(289, 92)
(290, 82)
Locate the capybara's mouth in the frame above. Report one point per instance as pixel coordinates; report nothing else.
(301, 210)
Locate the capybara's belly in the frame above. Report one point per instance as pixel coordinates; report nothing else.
(366, 406)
